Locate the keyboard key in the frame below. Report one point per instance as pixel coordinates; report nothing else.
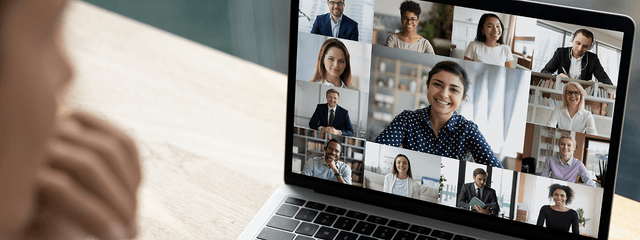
(403, 235)
(283, 223)
(346, 236)
(287, 210)
(306, 214)
(366, 238)
(460, 237)
(274, 234)
(356, 215)
(300, 237)
(345, 223)
(307, 229)
(295, 201)
(326, 233)
(384, 232)
(442, 234)
(364, 228)
(378, 220)
(398, 225)
(326, 219)
(423, 237)
(315, 205)
(419, 229)
(335, 210)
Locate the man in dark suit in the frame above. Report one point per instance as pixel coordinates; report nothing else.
(576, 62)
(336, 24)
(478, 189)
(330, 117)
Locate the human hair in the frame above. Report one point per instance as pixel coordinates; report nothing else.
(567, 190)
(331, 90)
(565, 104)
(456, 69)
(585, 33)
(395, 168)
(567, 137)
(320, 72)
(410, 6)
(479, 171)
(480, 37)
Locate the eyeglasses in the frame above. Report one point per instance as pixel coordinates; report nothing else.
(340, 4)
(405, 19)
(572, 92)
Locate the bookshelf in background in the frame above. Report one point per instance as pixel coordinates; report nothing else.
(546, 93)
(548, 145)
(309, 143)
(397, 86)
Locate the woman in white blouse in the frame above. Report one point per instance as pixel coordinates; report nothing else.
(572, 115)
(400, 181)
(488, 46)
(333, 67)
(408, 38)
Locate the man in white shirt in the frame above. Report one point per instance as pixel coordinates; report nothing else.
(478, 189)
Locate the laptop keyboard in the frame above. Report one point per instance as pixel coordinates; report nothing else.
(297, 219)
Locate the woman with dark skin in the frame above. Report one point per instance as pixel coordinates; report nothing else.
(559, 216)
(408, 38)
(61, 177)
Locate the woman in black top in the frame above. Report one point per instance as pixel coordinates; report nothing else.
(559, 216)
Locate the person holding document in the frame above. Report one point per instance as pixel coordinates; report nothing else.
(478, 189)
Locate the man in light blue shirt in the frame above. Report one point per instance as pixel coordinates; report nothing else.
(328, 167)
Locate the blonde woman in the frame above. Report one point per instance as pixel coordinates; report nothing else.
(572, 115)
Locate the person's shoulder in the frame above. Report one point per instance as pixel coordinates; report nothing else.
(348, 19)
(341, 108)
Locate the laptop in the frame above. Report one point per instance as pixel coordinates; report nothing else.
(450, 120)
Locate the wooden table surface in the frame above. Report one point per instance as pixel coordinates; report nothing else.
(209, 126)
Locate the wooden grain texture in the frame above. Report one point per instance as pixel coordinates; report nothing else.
(209, 126)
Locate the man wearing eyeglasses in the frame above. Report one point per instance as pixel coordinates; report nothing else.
(576, 62)
(336, 24)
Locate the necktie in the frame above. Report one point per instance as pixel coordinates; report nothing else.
(478, 192)
(332, 117)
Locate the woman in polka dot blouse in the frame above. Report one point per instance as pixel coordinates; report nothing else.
(438, 129)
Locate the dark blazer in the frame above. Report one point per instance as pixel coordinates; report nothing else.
(590, 65)
(341, 122)
(489, 198)
(348, 27)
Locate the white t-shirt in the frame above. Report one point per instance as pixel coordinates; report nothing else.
(400, 187)
(480, 52)
(581, 122)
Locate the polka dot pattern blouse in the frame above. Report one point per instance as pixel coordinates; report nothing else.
(413, 130)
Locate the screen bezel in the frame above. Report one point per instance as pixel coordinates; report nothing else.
(615, 22)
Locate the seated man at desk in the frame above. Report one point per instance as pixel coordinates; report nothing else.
(576, 62)
(331, 118)
(328, 166)
(478, 189)
(335, 24)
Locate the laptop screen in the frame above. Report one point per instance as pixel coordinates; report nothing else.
(494, 113)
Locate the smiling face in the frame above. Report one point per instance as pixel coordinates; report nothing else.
(334, 62)
(409, 21)
(480, 180)
(33, 70)
(332, 99)
(572, 96)
(559, 197)
(580, 45)
(336, 7)
(445, 93)
(567, 147)
(492, 29)
(332, 152)
(402, 165)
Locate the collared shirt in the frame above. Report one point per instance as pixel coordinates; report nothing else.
(575, 69)
(581, 122)
(554, 168)
(413, 130)
(325, 82)
(481, 188)
(335, 27)
(317, 167)
(329, 113)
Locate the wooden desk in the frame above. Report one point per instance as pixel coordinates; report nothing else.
(210, 126)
